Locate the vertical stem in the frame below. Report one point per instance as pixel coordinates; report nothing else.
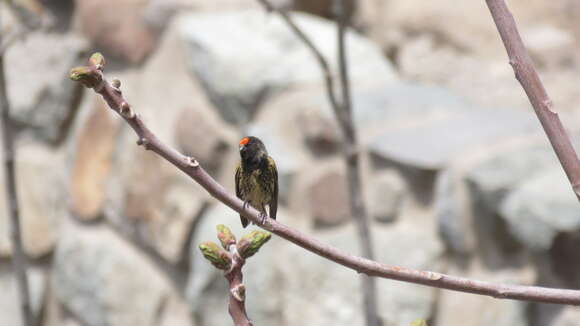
(353, 170)
(18, 258)
(528, 77)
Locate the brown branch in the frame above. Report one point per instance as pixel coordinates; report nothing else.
(530, 81)
(92, 77)
(353, 170)
(237, 292)
(18, 257)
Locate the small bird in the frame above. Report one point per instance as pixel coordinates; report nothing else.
(257, 178)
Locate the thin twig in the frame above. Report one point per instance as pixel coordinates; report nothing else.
(352, 158)
(328, 80)
(113, 96)
(236, 305)
(18, 258)
(531, 83)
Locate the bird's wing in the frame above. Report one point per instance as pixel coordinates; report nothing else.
(274, 186)
(239, 192)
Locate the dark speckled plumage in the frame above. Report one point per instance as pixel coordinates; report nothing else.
(257, 177)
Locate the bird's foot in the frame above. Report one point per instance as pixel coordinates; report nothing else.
(263, 218)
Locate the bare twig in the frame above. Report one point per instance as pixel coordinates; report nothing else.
(18, 257)
(530, 81)
(93, 77)
(352, 158)
(328, 80)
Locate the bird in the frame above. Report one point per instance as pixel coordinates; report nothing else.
(256, 178)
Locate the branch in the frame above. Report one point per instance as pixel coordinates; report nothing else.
(324, 66)
(231, 262)
(93, 77)
(18, 258)
(353, 170)
(531, 83)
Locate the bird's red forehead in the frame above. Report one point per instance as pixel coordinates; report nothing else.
(244, 141)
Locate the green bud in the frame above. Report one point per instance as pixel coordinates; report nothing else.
(85, 75)
(97, 60)
(225, 236)
(419, 322)
(251, 243)
(216, 255)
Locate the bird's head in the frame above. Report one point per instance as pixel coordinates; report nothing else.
(252, 150)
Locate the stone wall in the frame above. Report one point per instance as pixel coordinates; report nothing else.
(459, 177)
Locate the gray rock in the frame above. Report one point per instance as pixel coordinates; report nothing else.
(328, 199)
(241, 57)
(10, 313)
(102, 280)
(456, 308)
(454, 225)
(42, 96)
(569, 316)
(540, 208)
(387, 195)
(201, 136)
(319, 131)
(432, 143)
(42, 199)
(496, 176)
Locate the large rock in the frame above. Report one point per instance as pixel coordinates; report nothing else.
(431, 144)
(162, 203)
(42, 96)
(102, 280)
(242, 57)
(387, 194)
(540, 208)
(92, 162)
(122, 32)
(456, 308)
(10, 312)
(42, 199)
(329, 203)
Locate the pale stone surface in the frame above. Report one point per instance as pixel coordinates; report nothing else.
(102, 280)
(273, 58)
(42, 199)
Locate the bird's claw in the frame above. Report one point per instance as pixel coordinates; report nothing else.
(246, 204)
(263, 217)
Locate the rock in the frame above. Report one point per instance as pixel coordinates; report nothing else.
(92, 163)
(320, 131)
(201, 135)
(10, 313)
(540, 208)
(495, 177)
(445, 139)
(40, 92)
(329, 202)
(97, 271)
(273, 58)
(42, 199)
(454, 222)
(456, 308)
(550, 46)
(224, 5)
(162, 203)
(387, 194)
(122, 32)
(567, 317)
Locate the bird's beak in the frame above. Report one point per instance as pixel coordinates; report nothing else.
(242, 147)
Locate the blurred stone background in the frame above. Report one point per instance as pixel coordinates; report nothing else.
(459, 177)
